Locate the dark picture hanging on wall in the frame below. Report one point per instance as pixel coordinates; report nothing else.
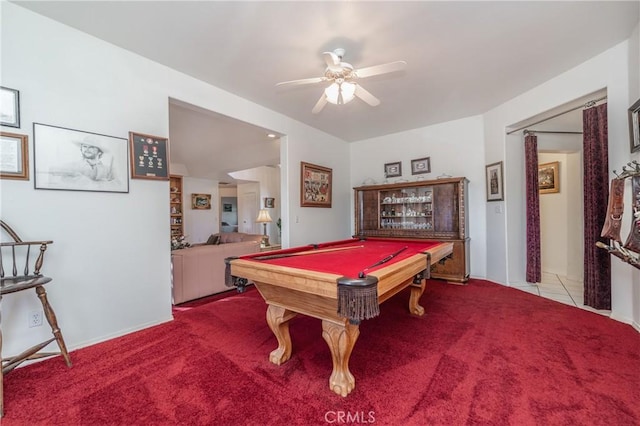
(634, 126)
(149, 156)
(421, 165)
(393, 169)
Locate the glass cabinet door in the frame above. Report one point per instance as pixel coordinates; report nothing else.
(407, 208)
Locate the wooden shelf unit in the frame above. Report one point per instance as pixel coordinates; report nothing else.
(176, 205)
(432, 210)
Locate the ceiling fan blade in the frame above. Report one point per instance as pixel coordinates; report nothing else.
(302, 81)
(332, 60)
(320, 104)
(366, 96)
(381, 69)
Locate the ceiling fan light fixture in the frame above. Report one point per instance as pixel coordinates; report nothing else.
(333, 92)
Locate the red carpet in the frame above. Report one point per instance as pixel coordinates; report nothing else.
(483, 354)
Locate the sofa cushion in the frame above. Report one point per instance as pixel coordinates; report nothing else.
(213, 239)
(238, 237)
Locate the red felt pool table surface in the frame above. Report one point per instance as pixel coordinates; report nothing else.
(344, 257)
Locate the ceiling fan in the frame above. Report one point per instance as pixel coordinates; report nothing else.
(343, 77)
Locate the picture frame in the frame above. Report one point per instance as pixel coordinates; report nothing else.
(227, 207)
(315, 185)
(14, 156)
(393, 169)
(201, 201)
(269, 203)
(495, 182)
(421, 165)
(634, 126)
(75, 160)
(548, 179)
(149, 156)
(9, 107)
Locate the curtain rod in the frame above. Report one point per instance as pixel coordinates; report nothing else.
(526, 131)
(586, 105)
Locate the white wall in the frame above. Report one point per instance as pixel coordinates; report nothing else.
(111, 257)
(454, 148)
(608, 70)
(200, 224)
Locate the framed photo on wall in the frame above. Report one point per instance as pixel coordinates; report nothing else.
(149, 156)
(495, 182)
(14, 156)
(548, 180)
(315, 185)
(75, 160)
(393, 169)
(269, 203)
(634, 126)
(201, 201)
(421, 165)
(9, 107)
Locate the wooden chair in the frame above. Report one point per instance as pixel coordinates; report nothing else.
(23, 273)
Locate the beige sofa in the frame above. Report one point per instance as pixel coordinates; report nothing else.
(198, 271)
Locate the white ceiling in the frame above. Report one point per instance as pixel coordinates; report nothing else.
(463, 58)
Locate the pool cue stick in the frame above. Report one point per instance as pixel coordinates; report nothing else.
(380, 262)
(304, 253)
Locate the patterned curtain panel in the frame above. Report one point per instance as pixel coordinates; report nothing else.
(534, 267)
(597, 262)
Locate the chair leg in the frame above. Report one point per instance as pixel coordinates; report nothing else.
(53, 322)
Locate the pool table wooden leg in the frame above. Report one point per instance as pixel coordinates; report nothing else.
(278, 320)
(341, 339)
(414, 298)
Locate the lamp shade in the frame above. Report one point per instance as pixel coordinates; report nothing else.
(263, 216)
(347, 89)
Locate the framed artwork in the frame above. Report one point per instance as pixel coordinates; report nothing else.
(548, 180)
(149, 156)
(201, 201)
(75, 160)
(315, 185)
(14, 156)
(227, 207)
(495, 183)
(421, 165)
(9, 107)
(269, 203)
(634, 126)
(393, 169)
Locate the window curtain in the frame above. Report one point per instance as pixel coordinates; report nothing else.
(534, 267)
(597, 262)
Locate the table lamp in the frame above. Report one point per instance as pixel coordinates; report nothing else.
(264, 218)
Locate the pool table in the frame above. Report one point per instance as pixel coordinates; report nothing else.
(340, 283)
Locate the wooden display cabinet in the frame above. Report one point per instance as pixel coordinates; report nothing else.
(175, 205)
(432, 210)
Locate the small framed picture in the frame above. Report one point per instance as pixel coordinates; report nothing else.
(495, 188)
(9, 107)
(393, 169)
(634, 126)
(201, 201)
(226, 207)
(149, 156)
(421, 165)
(548, 180)
(269, 203)
(14, 158)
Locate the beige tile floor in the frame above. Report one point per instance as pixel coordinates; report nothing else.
(561, 289)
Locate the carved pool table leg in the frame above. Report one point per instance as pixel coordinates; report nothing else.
(341, 340)
(278, 320)
(414, 298)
